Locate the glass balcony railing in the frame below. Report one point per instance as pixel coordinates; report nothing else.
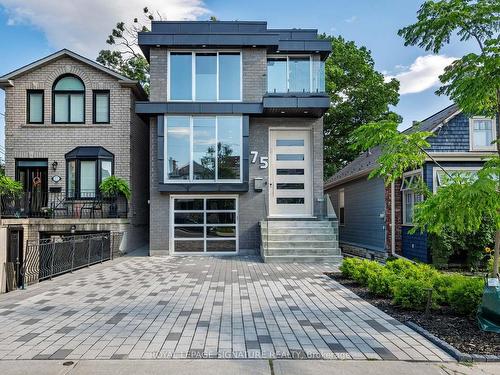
(295, 74)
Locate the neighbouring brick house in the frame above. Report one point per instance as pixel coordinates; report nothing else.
(375, 220)
(236, 134)
(70, 123)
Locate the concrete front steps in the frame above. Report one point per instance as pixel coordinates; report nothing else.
(300, 241)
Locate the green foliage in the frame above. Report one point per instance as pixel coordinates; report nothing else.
(401, 152)
(465, 294)
(411, 293)
(126, 58)
(9, 187)
(358, 94)
(113, 187)
(469, 246)
(408, 284)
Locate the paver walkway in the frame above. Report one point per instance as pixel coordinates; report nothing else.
(202, 307)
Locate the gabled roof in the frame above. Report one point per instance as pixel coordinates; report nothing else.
(5, 80)
(367, 161)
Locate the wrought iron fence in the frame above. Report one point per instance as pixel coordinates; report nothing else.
(47, 258)
(52, 205)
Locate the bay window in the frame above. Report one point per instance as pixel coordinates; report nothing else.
(482, 134)
(204, 76)
(86, 168)
(203, 148)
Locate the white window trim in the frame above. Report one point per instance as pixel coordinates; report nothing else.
(436, 170)
(287, 57)
(471, 134)
(191, 170)
(205, 211)
(193, 76)
(342, 191)
(404, 191)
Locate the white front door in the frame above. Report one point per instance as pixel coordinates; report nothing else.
(290, 174)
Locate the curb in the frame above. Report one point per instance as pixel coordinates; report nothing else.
(455, 353)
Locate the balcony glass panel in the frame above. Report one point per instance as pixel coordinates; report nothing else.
(299, 74)
(276, 75)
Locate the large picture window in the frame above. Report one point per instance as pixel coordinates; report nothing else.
(203, 148)
(86, 168)
(204, 76)
(68, 100)
(204, 224)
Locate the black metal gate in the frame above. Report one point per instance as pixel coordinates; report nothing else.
(54, 256)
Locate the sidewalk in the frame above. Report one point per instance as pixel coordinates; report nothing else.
(243, 367)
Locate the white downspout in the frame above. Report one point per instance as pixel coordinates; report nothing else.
(393, 220)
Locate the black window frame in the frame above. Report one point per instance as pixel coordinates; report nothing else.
(28, 104)
(94, 101)
(77, 193)
(68, 92)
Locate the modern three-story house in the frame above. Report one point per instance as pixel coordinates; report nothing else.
(236, 135)
(69, 124)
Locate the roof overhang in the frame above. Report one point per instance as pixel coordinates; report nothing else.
(355, 176)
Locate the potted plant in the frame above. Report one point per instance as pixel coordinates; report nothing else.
(112, 187)
(10, 190)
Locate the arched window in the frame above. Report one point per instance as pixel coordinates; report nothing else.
(68, 100)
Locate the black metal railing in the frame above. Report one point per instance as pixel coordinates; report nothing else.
(47, 258)
(52, 205)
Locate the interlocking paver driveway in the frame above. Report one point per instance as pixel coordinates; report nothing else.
(190, 307)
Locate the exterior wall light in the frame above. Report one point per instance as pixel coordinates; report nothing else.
(54, 165)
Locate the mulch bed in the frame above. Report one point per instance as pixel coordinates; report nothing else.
(461, 332)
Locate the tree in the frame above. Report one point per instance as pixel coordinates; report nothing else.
(127, 59)
(358, 94)
(473, 82)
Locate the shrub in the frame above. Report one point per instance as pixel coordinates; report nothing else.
(364, 269)
(113, 186)
(465, 294)
(411, 293)
(348, 267)
(380, 280)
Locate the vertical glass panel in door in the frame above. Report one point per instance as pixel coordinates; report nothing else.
(181, 76)
(204, 148)
(228, 147)
(276, 75)
(299, 74)
(229, 76)
(178, 149)
(87, 178)
(206, 76)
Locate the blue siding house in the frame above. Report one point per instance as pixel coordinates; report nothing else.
(375, 220)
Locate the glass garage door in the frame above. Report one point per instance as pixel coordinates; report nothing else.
(204, 224)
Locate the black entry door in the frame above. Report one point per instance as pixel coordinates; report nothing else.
(33, 174)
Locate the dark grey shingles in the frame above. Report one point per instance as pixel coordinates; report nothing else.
(319, 325)
(305, 323)
(119, 356)
(116, 318)
(196, 311)
(185, 313)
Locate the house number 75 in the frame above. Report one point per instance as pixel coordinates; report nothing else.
(263, 161)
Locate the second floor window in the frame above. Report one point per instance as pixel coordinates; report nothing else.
(101, 107)
(295, 74)
(203, 148)
(482, 134)
(68, 100)
(35, 107)
(205, 76)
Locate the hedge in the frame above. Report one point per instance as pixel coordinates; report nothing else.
(408, 284)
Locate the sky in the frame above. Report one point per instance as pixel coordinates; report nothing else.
(31, 29)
